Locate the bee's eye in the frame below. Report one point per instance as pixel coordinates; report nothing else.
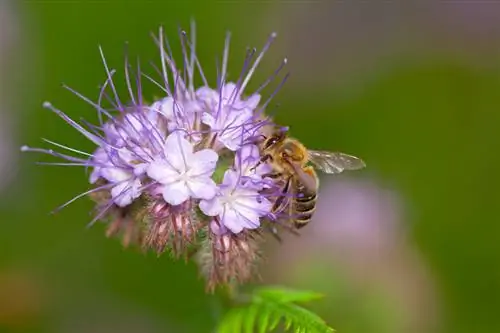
(270, 142)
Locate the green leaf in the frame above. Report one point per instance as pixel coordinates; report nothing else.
(284, 295)
(267, 307)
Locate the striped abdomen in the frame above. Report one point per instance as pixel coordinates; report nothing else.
(304, 205)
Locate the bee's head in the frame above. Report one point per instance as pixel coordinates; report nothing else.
(278, 136)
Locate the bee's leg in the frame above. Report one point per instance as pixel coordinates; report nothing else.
(263, 159)
(273, 230)
(285, 225)
(272, 175)
(275, 234)
(280, 202)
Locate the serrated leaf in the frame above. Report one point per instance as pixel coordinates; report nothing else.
(268, 307)
(250, 319)
(286, 295)
(264, 322)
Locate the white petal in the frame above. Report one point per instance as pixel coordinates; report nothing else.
(265, 206)
(162, 172)
(100, 156)
(248, 217)
(175, 193)
(115, 175)
(231, 143)
(95, 175)
(124, 193)
(132, 123)
(208, 119)
(211, 207)
(231, 178)
(140, 169)
(252, 101)
(232, 221)
(165, 107)
(202, 188)
(204, 162)
(206, 94)
(178, 151)
(228, 91)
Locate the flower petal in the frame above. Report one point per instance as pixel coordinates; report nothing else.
(211, 207)
(115, 175)
(164, 107)
(175, 193)
(232, 221)
(228, 91)
(204, 162)
(208, 119)
(202, 188)
(124, 193)
(230, 178)
(140, 169)
(178, 151)
(248, 217)
(162, 172)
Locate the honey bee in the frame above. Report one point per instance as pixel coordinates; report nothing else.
(294, 166)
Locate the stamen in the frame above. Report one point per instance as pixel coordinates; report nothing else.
(66, 147)
(52, 153)
(271, 78)
(278, 88)
(101, 93)
(73, 123)
(86, 99)
(225, 57)
(188, 71)
(97, 189)
(112, 85)
(270, 40)
(127, 76)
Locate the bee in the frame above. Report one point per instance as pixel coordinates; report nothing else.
(294, 167)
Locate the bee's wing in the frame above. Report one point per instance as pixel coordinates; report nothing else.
(334, 162)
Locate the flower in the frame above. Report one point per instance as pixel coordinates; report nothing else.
(233, 117)
(238, 206)
(184, 171)
(247, 162)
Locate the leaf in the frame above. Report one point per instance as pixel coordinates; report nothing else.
(268, 307)
(284, 295)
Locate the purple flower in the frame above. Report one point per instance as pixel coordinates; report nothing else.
(231, 117)
(180, 114)
(155, 167)
(183, 173)
(245, 162)
(238, 206)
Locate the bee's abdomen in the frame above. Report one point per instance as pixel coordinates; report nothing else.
(304, 206)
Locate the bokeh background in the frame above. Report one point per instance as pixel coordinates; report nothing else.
(409, 245)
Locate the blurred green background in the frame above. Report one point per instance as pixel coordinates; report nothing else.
(413, 88)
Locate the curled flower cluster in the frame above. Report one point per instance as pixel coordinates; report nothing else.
(181, 174)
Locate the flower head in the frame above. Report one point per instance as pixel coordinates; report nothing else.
(181, 171)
